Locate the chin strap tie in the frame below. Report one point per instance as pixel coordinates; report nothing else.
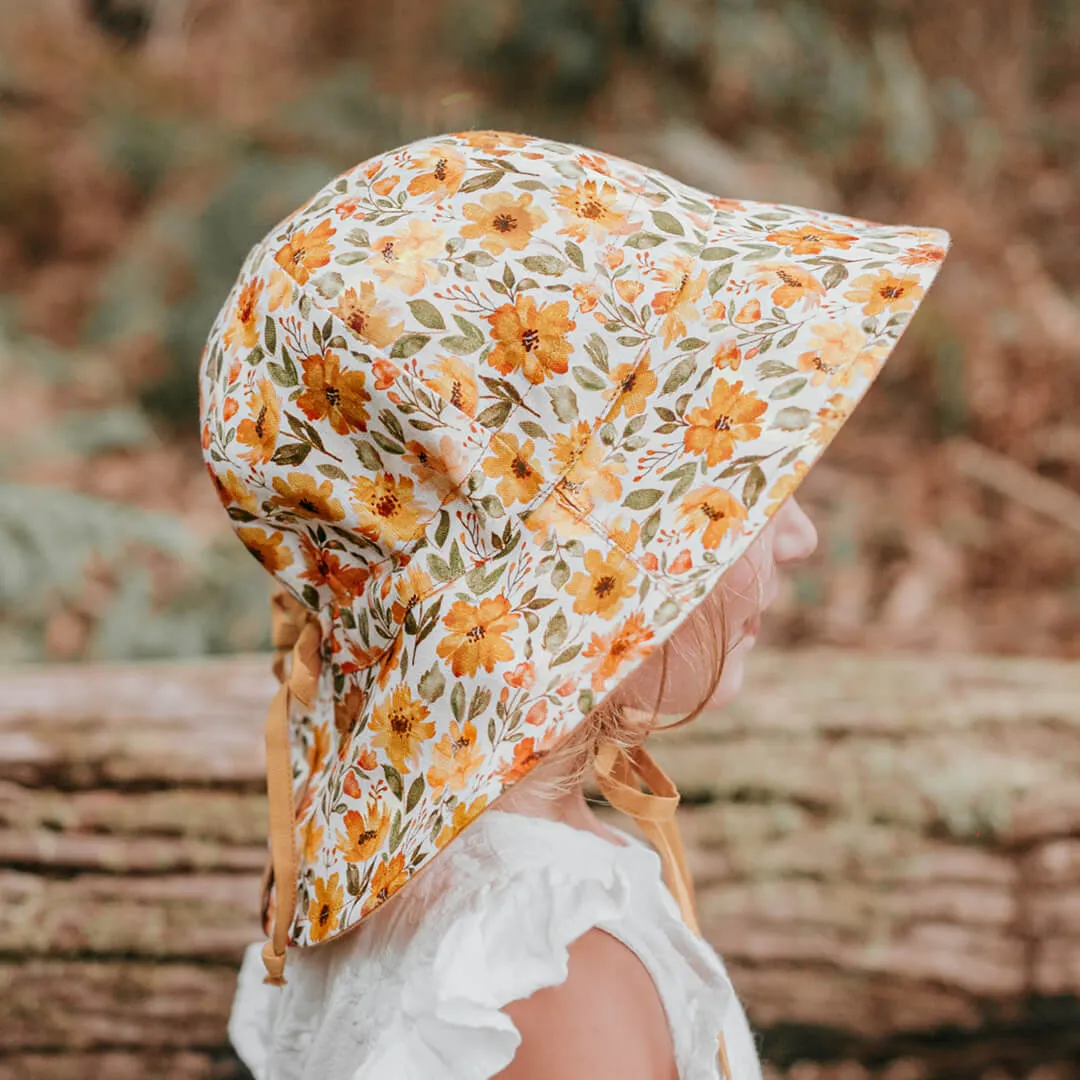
(620, 772)
(295, 633)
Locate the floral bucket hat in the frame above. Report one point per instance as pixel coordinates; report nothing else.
(497, 412)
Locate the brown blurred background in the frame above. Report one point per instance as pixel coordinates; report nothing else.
(146, 144)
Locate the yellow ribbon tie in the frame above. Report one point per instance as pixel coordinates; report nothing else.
(295, 632)
(619, 775)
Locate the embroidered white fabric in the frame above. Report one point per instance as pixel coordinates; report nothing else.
(416, 991)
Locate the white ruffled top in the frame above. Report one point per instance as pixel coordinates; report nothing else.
(417, 991)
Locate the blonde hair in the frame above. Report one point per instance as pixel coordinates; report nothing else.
(570, 761)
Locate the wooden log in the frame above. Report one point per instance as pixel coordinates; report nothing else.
(884, 848)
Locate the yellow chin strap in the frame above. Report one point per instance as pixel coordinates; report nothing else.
(620, 772)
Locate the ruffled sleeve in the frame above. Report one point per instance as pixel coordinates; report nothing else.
(511, 940)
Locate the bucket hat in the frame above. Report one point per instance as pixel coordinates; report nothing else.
(497, 412)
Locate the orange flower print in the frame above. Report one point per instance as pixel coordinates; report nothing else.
(561, 512)
(785, 485)
(366, 760)
(511, 462)
(531, 338)
(230, 409)
(632, 385)
(625, 535)
(302, 495)
(608, 581)
(411, 589)
(791, 285)
(835, 351)
(454, 759)
(306, 251)
(366, 317)
(884, 291)
(527, 755)
(319, 748)
(731, 417)
(444, 467)
(923, 255)
(496, 143)
(385, 510)
(440, 169)
(260, 430)
(727, 356)
(280, 289)
(588, 211)
(811, 239)
(582, 456)
(830, 418)
(311, 837)
(387, 879)
(243, 329)
(325, 567)
(523, 676)
(346, 713)
(408, 260)
(454, 381)
(267, 547)
(385, 185)
(401, 726)
(232, 491)
(325, 909)
(629, 290)
(333, 395)
(364, 832)
(386, 373)
(587, 297)
(462, 817)
(711, 511)
(501, 220)
(676, 303)
(750, 312)
(350, 786)
(476, 635)
(608, 653)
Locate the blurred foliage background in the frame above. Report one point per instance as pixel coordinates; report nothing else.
(146, 144)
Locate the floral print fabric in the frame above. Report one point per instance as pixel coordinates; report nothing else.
(500, 411)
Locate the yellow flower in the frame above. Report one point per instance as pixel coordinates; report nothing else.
(301, 495)
(588, 211)
(325, 909)
(280, 289)
(385, 510)
(676, 303)
(835, 351)
(713, 510)
(884, 291)
(454, 759)
(463, 815)
(411, 587)
(503, 220)
(476, 635)
(367, 318)
(232, 491)
(608, 581)
(387, 879)
(306, 251)
(784, 487)
(401, 726)
(268, 548)
(791, 284)
(512, 463)
(364, 832)
(332, 394)
(244, 326)
(582, 456)
(453, 380)
(260, 431)
(631, 386)
(440, 169)
(731, 417)
(811, 239)
(311, 839)
(830, 418)
(407, 260)
(608, 653)
(531, 338)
